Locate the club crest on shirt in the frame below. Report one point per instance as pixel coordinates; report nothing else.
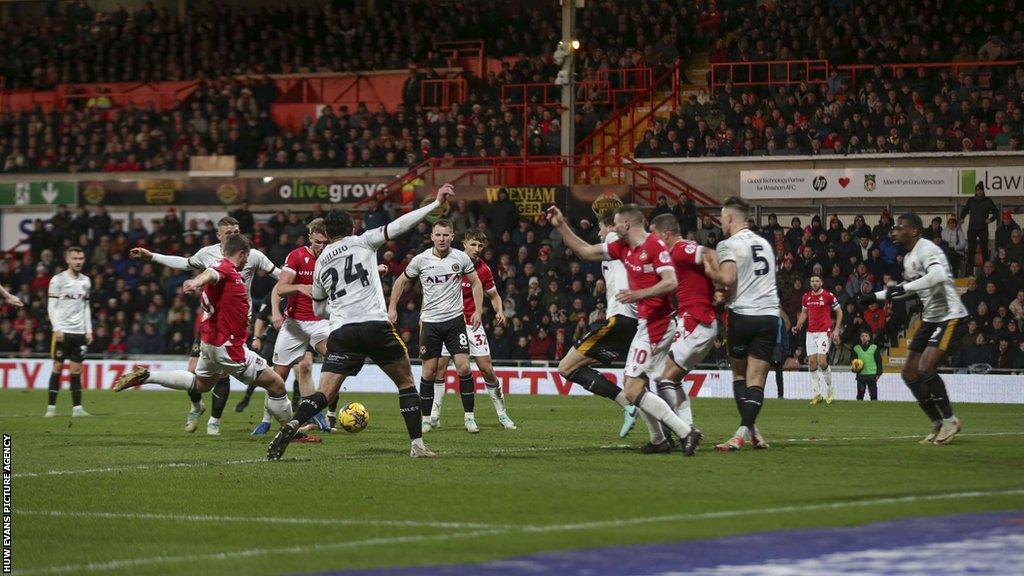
(455, 267)
(643, 255)
(664, 258)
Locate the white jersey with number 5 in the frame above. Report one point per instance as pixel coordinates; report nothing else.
(346, 276)
(615, 279)
(940, 302)
(756, 294)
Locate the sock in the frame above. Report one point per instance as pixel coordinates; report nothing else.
(815, 382)
(438, 397)
(685, 408)
(177, 380)
(426, 397)
(266, 414)
(739, 389)
(674, 395)
(308, 407)
(652, 404)
(281, 408)
(497, 396)
(214, 420)
(595, 383)
(409, 404)
(654, 428)
(752, 402)
(939, 396)
(467, 389)
(54, 388)
(828, 377)
(249, 390)
(221, 390)
(332, 408)
(76, 389)
(919, 388)
(296, 394)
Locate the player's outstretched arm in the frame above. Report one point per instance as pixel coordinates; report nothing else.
(176, 262)
(408, 221)
(193, 285)
(666, 283)
(594, 252)
(10, 298)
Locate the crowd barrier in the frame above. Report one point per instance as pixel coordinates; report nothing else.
(16, 373)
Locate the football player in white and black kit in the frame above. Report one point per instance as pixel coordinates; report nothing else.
(746, 268)
(610, 341)
(71, 318)
(474, 243)
(347, 292)
(943, 324)
(203, 259)
(441, 271)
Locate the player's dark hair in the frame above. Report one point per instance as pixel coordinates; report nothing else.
(739, 205)
(631, 211)
(227, 221)
(608, 217)
(475, 234)
(666, 223)
(74, 250)
(235, 243)
(338, 224)
(913, 220)
(444, 223)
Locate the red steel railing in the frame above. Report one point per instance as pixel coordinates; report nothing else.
(443, 92)
(768, 73)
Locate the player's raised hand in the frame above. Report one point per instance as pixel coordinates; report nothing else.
(444, 193)
(555, 216)
(137, 253)
(475, 319)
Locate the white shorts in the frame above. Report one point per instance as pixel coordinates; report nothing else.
(478, 343)
(689, 347)
(238, 361)
(818, 342)
(649, 348)
(297, 335)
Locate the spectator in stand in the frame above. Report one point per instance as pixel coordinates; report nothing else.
(982, 211)
(981, 353)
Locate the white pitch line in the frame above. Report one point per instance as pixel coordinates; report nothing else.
(255, 552)
(250, 553)
(776, 510)
(257, 520)
(111, 469)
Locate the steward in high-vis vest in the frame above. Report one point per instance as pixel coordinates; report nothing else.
(871, 355)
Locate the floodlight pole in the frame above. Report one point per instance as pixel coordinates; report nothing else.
(568, 120)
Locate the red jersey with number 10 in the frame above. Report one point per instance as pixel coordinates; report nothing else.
(225, 306)
(301, 262)
(483, 271)
(695, 290)
(819, 310)
(643, 264)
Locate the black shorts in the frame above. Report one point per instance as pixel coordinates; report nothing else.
(72, 348)
(610, 342)
(348, 347)
(450, 333)
(945, 336)
(753, 336)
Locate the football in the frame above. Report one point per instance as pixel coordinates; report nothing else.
(857, 365)
(354, 417)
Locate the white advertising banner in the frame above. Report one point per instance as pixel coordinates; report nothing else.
(100, 374)
(1001, 181)
(848, 183)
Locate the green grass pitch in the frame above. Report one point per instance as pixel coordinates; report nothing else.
(128, 492)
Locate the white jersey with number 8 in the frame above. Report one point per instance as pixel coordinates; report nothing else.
(756, 294)
(346, 276)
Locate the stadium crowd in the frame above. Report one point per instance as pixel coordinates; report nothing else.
(550, 297)
(915, 110)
